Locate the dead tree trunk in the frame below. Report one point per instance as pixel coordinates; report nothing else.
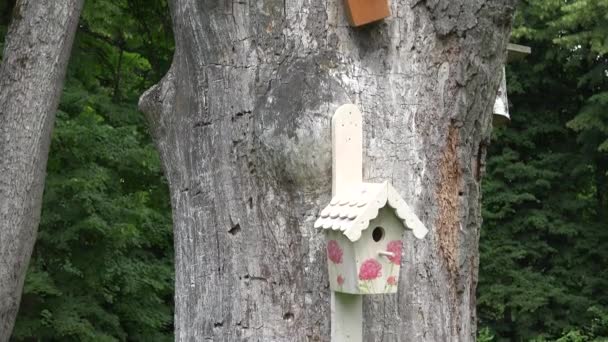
(242, 122)
(36, 54)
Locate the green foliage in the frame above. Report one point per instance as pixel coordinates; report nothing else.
(583, 30)
(485, 335)
(595, 331)
(544, 238)
(102, 269)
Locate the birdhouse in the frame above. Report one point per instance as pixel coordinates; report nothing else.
(361, 12)
(364, 238)
(501, 103)
(364, 222)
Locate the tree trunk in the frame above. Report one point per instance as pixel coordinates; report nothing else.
(242, 122)
(36, 54)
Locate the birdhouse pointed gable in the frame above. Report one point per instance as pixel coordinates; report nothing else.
(351, 212)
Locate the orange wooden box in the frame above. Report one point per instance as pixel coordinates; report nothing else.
(361, 12)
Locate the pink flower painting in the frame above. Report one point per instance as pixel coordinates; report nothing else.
(395, 248)
(392, 280)
(340, 280)
(370, 270)
(334, 252)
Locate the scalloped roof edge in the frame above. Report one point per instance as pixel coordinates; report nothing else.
(350, 212)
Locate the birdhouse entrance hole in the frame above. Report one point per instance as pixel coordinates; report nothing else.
(378, 234)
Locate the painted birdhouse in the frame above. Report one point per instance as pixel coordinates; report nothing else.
(364, 222)
(361, 12)
(364, 238)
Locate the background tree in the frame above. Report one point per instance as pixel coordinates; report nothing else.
(544, 242)
(102, 266)
(241, 121)
(35, 57)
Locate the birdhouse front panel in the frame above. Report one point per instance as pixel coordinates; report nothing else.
(378, 254)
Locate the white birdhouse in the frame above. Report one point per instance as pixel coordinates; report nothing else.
(364, 238)
(364, 222)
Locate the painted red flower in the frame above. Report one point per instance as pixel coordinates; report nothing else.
(340, 280)
(395, 248)
(334, 252)
(392, 280)
(370, 269)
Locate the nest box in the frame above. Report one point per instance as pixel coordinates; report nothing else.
(501, 104)
(364, 222)
(361, 12)
(364, 238)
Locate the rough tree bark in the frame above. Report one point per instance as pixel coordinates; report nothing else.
(242, 122)
(35, 57)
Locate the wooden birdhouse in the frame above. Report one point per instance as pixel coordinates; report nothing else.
(364, 222)
(364, 238)
(361, 12)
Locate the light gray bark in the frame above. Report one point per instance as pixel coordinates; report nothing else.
(35, 57)
(242, 122)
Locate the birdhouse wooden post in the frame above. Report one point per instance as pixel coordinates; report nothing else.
(361, 12)
(364, 225)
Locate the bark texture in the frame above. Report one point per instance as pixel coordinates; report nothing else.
(242, 122)
(36, 54)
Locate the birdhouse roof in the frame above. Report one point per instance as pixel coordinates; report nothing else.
(350, 212)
